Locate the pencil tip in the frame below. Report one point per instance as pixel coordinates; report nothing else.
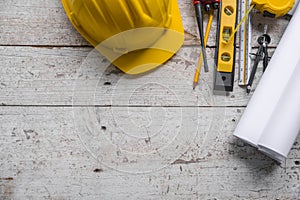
(194, 85)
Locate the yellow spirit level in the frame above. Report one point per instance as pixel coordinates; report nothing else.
(225, 51)
(273, 8)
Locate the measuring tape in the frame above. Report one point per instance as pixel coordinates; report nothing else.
(225, 51)
(273, 8)
(245, 44)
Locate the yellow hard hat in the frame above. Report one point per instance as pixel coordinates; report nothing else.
(135, 35)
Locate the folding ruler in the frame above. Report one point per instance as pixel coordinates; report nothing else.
(225, 51)
(272, 8)
(245, 44)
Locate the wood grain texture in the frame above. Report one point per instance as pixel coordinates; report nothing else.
(45, 23)
(81, 76)
(72, 126)
(45, 159)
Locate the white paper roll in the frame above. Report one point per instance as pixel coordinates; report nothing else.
(283, 127)
(272, 85)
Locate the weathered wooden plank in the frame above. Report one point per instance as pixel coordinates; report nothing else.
(45, 23)
(36, 23)
(43, 157)
(66, 76)
(140, 137)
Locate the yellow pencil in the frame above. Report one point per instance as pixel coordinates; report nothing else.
(198, 69)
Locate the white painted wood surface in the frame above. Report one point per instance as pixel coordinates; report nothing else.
(73, 129)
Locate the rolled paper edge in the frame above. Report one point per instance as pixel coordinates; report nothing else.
(245, 139)
(272, 153)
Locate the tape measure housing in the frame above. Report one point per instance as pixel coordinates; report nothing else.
(273, 8)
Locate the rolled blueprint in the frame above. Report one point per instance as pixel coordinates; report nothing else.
(283, 127)
(272, 86)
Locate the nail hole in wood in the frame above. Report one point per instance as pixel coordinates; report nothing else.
(98, 170)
